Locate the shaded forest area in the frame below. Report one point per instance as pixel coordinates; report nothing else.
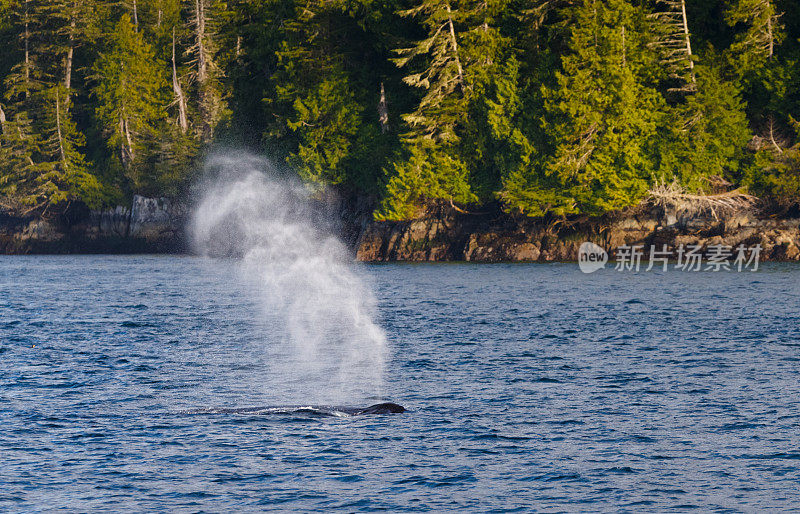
(539, 107)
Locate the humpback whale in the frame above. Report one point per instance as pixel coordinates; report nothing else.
(324, 410)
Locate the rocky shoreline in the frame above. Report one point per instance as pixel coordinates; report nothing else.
(157, 225)
(458, 237)
(150, 225)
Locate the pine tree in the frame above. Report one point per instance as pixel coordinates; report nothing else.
(19, 174)
(708, 134)
(45, 167)
(601, 117)
(70, 24)
(763, 31)
(327, 119)
(434, 170)
(318, 106)
(765, 78)
(65, 174)
(673, 39)
(444, 102)
(130, 101)
(20, 81)
(211, 106)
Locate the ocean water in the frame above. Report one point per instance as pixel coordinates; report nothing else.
(528, 387)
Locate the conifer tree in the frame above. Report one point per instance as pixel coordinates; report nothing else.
(765, 78)
(434, 170)
(44, 164)
(70, 25)
(211, 106)
(19, 174)
(672, 37)
(708, 134)
(601, 117)
(493, 142)
(442, 77)
(65, 174)
(130, 102)
(763, 31)
(777, 174)
(320, 117)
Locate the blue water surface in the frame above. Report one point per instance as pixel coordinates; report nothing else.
(529, 387)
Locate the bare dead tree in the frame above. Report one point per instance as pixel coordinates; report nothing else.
(383, 112)
(209, 100)
(2, 123)
(674, 42)
(674, 197)
(773, 134)
(180, 99)
(764, 29)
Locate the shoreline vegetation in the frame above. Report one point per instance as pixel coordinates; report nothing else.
(494, 120)
(159, 226)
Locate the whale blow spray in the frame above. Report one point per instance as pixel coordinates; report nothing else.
(323, 343)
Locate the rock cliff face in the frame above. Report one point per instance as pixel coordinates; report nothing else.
(150, 225)
(484, 238)
(157, 225)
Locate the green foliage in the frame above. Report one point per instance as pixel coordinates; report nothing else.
(777, 173)
(327, 119)
(321, 122)
(552, 107)
(130, 101)
(755, 45)
(708, 134)
(495, 140)
(602, 118)
(427, 174)
(42, 166)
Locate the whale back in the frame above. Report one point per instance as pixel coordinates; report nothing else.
(378, 408)
(383, 408)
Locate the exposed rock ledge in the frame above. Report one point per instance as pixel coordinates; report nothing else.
(498, 238)
(150, 225)
(157, 225)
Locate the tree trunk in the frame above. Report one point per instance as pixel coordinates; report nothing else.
(688, 40)
(68, 65)
(2, 123)
(383, 112)
(771, 39)
(70, 51)
(455, 45)
(129, 141)
(176, 88)
(624, 57)
(135, 17)
(674, 42)
(27, 36)
(200, 35)
(58, 130)
(203, 95)
(126, 146)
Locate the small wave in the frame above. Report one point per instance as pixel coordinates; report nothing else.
(309, 410)
(547, 380)
(620, 470)
(791, 455)
(135, 324)
(553, 477)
